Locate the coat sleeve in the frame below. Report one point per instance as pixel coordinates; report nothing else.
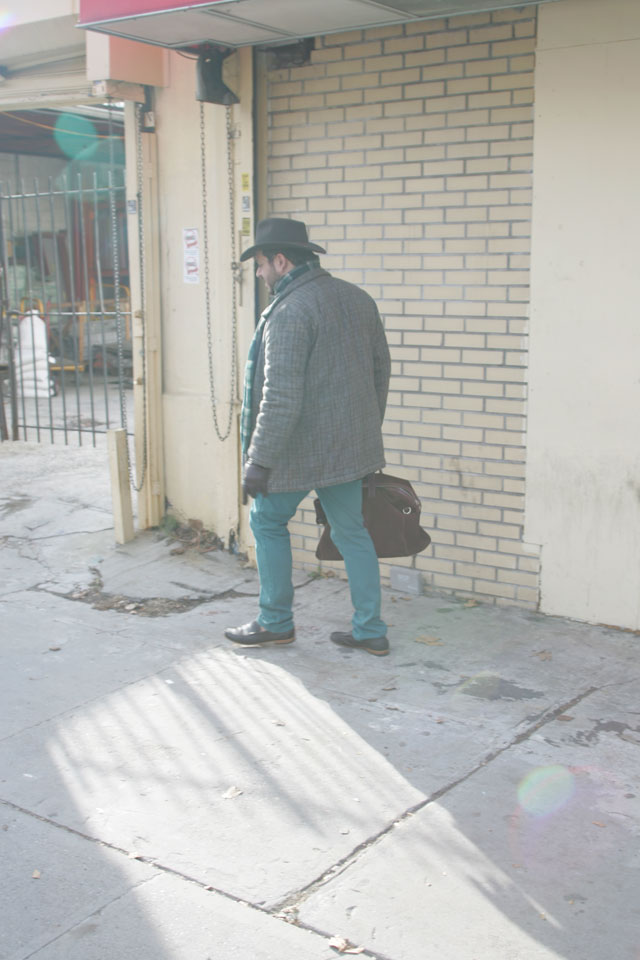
(381, 366)
(287, 343)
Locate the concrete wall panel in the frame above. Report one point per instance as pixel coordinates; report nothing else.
(583, 475)
(201, 471)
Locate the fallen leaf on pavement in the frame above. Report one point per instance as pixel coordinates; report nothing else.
(231, 793)
(343, 946)
(339, 944)
(288, 914)
(430, 641)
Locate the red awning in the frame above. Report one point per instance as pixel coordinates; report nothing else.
(237, 23)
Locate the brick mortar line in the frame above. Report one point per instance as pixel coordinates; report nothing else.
(494, 77)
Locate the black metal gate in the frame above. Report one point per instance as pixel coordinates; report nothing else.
(65, 318)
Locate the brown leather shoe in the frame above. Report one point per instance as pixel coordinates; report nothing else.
(253, 635)
(378, 646)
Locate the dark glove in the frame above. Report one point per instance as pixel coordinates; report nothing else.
(254, 480)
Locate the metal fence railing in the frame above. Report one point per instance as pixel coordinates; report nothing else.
(65, 318)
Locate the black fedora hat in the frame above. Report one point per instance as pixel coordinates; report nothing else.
(280, 232)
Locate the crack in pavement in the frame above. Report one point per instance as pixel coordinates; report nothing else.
(171, 871)
(70, 710)
(100, 599)
(52, 536)
(96, 596)
(295, 900)
(90, 916)
(286, 909)
(143, 607)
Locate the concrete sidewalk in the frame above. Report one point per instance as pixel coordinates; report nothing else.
(473, 796)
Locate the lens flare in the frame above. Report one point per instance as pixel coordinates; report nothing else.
(6, 19)
(546, 789)
(76, 134)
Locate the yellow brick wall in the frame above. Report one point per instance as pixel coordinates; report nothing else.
(407, 151)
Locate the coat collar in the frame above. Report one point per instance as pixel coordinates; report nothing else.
(296, 272)
(315, 273)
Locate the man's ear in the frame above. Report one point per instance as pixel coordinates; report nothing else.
(281, 264)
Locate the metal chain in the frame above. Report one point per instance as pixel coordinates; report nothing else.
(116, 273)
(236, 266)
(139, 209)
(116, 280)
(235, 273)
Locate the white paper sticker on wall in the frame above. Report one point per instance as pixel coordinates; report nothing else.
(190, 239)
(191, 255)
(191, 272)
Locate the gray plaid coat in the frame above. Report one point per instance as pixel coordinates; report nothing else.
(320, 386)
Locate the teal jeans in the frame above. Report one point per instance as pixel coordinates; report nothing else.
(342, 505)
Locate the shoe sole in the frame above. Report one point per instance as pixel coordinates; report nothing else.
(262, 643)
(353, 646)
(376, 653)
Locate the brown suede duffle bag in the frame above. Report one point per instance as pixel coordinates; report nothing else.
(391, 511)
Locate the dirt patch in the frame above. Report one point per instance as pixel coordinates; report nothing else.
(14, 505)
(192, 536)
(96, 597)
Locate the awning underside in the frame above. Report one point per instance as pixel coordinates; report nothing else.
(236, 23)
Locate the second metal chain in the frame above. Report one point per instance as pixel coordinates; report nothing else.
(139, 209)
(235, 268)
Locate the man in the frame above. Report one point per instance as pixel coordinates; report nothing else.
(315, 393)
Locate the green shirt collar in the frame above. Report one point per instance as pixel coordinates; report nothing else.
(298, 271)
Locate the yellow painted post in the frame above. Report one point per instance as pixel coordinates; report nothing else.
(146, 333)
(120, 489)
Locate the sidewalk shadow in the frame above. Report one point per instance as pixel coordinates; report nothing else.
(329, 783)
(523, 830)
